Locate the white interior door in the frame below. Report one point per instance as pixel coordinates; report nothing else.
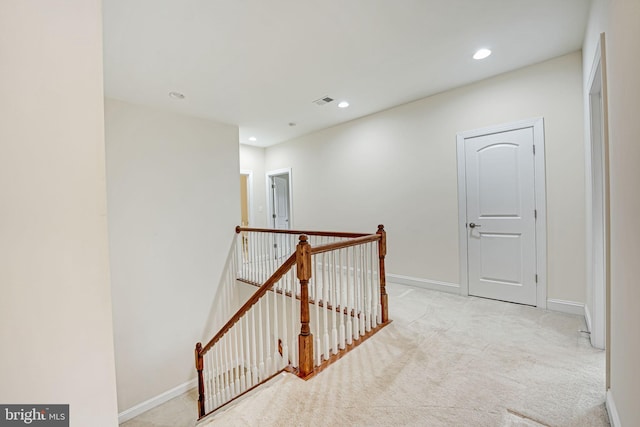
(280, 212)
(280, 202)
(500, 215)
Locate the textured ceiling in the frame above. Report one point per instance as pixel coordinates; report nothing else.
(260, 64)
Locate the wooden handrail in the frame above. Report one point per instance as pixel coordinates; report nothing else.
(286, 266)
(308, 233)
(345, 244)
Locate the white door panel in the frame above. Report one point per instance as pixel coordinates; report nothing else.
(281, 202)
(500, 216)
(281, 214)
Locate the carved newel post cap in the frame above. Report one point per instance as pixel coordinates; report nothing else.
(303, 238)
(237, 229)
(380, 227)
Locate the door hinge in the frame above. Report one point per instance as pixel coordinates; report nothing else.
(273, 186)
(274, 215)
(534, 150)
(536, 278)
(535, 214)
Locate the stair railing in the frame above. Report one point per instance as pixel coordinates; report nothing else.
(333, 291)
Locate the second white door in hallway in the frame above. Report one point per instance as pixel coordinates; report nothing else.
(500, 217)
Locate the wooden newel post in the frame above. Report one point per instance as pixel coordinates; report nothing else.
(382, 252)
(199, 367)
(305, 339)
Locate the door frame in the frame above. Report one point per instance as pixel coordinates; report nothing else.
(537, 124)
(249, 174)
(269, 175)
(598, 201)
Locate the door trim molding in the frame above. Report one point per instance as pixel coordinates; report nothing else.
(276, 172)
(598, 290)
(537, 124)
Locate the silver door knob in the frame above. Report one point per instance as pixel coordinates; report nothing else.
(473, 225)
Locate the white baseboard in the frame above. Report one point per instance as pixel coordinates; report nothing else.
(433, 285)
(563, 306)
(138, 409)
(614, 418)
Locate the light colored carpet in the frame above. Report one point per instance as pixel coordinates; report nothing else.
(446, 360)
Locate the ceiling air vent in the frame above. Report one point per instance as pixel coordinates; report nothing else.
(323, 101)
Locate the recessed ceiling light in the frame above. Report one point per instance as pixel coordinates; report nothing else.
(253, 139)
(343, 104)
(481, 54)
(176, 95)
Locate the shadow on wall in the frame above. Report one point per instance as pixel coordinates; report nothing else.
(226, 300)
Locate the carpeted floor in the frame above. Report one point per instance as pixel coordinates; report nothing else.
(446, 360)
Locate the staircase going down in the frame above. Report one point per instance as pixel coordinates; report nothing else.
(317, 296)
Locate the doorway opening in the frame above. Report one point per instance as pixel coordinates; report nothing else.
(279, 199)
(246, 196)
(246, 204)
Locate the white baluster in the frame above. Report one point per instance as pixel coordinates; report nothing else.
(227, 369)
(220, 365)
(247, 339)
(285, 335)
(342, 298)
(317, 348)
(274, 247)
(363, 275)
(224, 393)
(250, 266)
(241, 359)
(207, 382)
(325, 303)
(276, 355)
(266, 262)
(236, 361)
(227, 366)
(356, 293)
(350, 289)
(334, 305)
(376, 284)
(268, 363)
(216, 372)
(215, 381)
(258, 260)
(254, 358)
(295, 325)
(367, 290)
(259, 325)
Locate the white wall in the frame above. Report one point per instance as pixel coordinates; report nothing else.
(619, 20)
(55, 303)
(252, 158)
(173, 193)
(398, 167)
